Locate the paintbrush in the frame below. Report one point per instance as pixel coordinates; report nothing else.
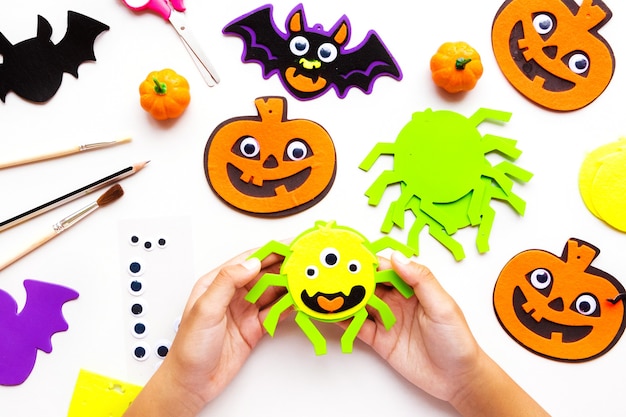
(108, 197)
(62, 153)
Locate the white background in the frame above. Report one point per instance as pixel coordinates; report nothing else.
(283, 376)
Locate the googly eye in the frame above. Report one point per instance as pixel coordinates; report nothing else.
(327, 52)
(135, 268)
(578, 63)
(136, 287)
(543, 23)
(354, 266)
(161, 242)
(162, 348)
(137, 308)
(299, 45)
(329, 257)
(249, 147)
(139, 329)
(311, 272)
(297, 150)
(134, 240)
(586, 304)
(141, 351)
(541, 278)
(147, 245)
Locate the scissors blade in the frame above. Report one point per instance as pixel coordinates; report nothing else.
(209, 74)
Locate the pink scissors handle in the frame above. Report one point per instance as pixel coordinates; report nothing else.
(159, 6)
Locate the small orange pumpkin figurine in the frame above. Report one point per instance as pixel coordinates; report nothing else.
(560, 307)
(456, 67)
(164, 94)
(270, 165)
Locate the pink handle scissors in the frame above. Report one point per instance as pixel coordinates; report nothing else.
(177, 19)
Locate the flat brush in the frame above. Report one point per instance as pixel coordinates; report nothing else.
(62, 153)
(108, 197)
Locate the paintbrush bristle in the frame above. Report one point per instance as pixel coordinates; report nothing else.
(112, 194)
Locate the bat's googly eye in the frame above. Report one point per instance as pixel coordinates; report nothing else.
(249, 147)
(135, 268)
(299, 45)
(141, 351)
(139, 329)
(161, 242)
(138, 308)
(578, 63)
(162, 348)
(329, 257)
(134, 240)
(311, 272)
(135, 287)
(327, 52)
(297, 150)
(543, 23)
(147, 245)
(354, 266)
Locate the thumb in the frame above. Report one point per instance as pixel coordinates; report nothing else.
(427, 288)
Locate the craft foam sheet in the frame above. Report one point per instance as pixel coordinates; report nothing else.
(551, 51)
(602, 183)
(24, 333)
(100, 396)
(157, 276)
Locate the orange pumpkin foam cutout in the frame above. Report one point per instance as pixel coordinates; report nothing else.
(269, 165)
(551, 52)
(561, 308)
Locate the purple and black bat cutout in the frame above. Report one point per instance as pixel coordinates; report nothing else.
(23, 334)
(309, 60)
(34, 68)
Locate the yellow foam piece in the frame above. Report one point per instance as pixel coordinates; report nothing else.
(609, 190)
(99, 396)
(593, 161)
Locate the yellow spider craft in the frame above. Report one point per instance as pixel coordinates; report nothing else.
(330, 273)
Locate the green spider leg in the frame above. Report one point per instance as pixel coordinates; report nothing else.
(312, 333)
(500, 144)
(377, 189)
(381, 148)
(348, 337)
(395, 212)
(270, 247)
(435, 229)
(388, 242)
(483, 114)
(389, 276)
(271, 321)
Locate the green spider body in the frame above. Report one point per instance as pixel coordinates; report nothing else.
(330, 273)
(446, 180)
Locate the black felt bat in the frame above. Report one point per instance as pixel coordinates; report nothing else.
(34, 68)
(308, 60)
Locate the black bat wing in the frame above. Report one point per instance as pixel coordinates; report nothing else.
(263, 43)
(362, 65)
(76, 46)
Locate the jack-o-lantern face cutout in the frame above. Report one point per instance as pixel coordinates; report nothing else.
(560, 307)
(269, 165)
(551, 52)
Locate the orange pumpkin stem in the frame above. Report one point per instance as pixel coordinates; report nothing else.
(159, 87)
(461, 63)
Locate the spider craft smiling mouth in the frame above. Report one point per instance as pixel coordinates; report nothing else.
(269, 188)
(333, 303)
(544, 327)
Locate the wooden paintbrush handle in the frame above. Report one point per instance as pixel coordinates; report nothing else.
(28, 250)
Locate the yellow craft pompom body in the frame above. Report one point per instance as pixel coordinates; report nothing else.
(330, 273)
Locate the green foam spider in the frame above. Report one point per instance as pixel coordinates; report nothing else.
(445, 178)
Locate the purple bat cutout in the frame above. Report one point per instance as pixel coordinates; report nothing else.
(23, 333)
